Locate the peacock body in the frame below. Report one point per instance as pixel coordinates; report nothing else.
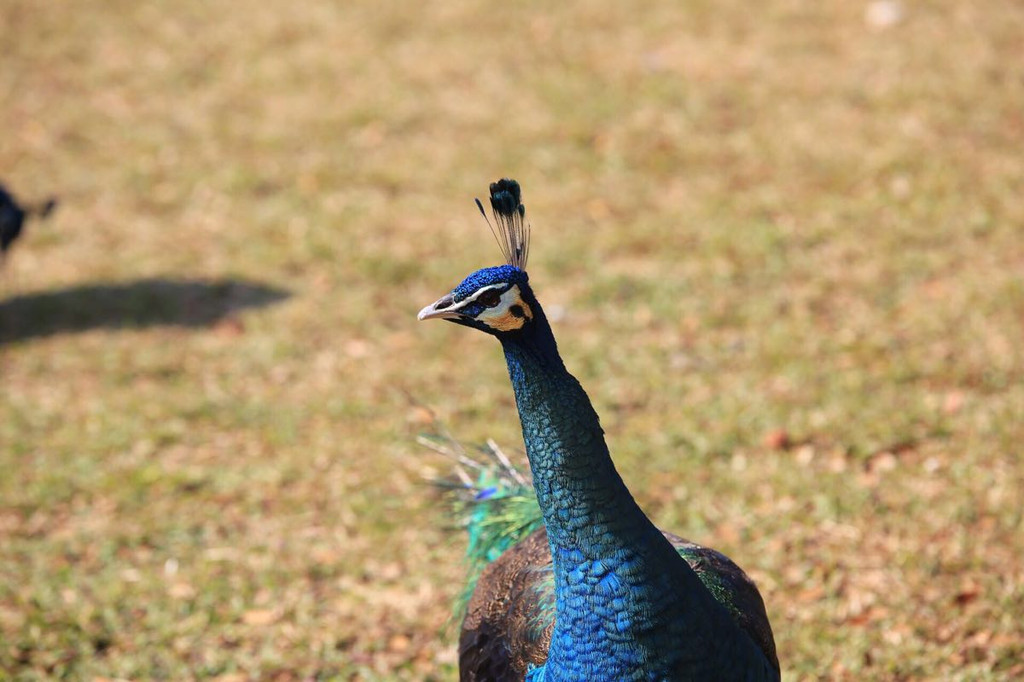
(598, 593)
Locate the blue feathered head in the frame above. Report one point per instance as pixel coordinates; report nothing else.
(497, 300)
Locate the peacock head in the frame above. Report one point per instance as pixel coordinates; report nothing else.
(496, 300)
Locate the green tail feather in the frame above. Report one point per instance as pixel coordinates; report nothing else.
(497, 508)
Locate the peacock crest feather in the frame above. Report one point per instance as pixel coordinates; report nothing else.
(510, 228)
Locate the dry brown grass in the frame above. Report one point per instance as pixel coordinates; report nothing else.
(759, 220)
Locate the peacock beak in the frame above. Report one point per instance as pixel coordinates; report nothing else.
(440, 309)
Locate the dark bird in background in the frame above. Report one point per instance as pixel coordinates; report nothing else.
(597, 592)
(13, 216)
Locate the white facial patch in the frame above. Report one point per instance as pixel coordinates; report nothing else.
(472, 299)
(511, 312)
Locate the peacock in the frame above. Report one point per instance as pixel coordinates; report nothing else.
(13, 216)
(597, 592)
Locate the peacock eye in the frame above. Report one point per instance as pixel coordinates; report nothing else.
(489, 298)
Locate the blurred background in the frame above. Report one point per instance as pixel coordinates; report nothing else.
(783, 246)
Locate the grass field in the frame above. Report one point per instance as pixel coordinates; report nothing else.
(785, 241)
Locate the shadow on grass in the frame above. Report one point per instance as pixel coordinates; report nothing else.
(137, 304)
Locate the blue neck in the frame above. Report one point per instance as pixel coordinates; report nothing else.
(581, 495)
(625, 599)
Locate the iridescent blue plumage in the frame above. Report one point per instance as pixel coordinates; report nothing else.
(499, 274)
(628, 605)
